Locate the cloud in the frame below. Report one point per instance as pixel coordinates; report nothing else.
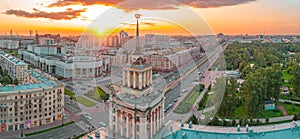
(64, 15)
(151, 4)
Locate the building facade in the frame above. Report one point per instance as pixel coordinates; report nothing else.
(38, 102)
(53, 59)
(15, 67)
(136, 111)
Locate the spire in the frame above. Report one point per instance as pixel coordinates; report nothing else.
(137, 16)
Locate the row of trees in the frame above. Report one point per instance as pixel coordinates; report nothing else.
(242, 122)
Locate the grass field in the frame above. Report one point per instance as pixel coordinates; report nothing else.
(241, 112)
(290, 109)
(85, 101)
(93, 94)
(185, 105)
(96, 93)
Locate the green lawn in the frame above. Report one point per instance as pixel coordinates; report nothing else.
(240, 112)
(85, 101)
(290, 109)
(96, 93)
(93, 94)
(270, 114)
(186, 104)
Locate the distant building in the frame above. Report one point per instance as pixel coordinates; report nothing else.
(123, 37)
(15, 67)
(269, 105)
(47, 39)
(111, 41)
(9, 44)
(53, 59)
(234, 74)
(285, 90)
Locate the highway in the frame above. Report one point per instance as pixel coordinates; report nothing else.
(175, 82)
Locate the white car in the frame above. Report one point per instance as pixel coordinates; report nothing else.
(102, 124)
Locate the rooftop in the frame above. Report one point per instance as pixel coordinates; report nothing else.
(279, 131)
(44, 81)
(12, 59)
(141, 100)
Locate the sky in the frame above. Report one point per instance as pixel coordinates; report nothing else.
(181, 17)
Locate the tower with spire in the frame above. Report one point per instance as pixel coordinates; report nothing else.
(136, 111)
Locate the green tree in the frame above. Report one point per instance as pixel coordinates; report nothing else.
(229, 102)
(16, 82)
(296, 78)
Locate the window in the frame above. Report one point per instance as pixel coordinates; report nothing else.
(10, 120)
(137, 128)
(10, 128)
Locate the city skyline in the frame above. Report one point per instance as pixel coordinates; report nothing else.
(71, 17)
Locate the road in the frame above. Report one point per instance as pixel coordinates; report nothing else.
(60, 133)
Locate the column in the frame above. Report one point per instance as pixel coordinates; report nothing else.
(158, 119)
(121, 124)
(144, 79)
(143, 128)
(116, 122)
(134, 80)
(128, 78)
(155, 116)
(140, 80)
(150, 77)
(162, 115)
(152, 123)
(127, 125)
(133, 127)
(124, 78)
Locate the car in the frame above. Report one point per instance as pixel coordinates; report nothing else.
(68, 103)
(89, 117)
(102, 124)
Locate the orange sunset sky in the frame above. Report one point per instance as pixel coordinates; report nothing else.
(72, 17)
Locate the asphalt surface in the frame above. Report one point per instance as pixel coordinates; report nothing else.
(60, 133)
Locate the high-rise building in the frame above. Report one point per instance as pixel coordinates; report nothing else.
(136, 111)
(123, 37)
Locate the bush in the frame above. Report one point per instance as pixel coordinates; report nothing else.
(202, 86)
(209, 87)
(251, 122)
(233, 123)
(194, 119)
(267, 120)
(215, 121)
(296, 116)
